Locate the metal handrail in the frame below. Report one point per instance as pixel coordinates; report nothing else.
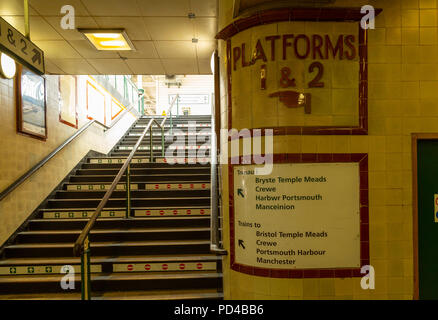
(82, 244)
(40, 164)
(79, 244)
(169, 111)
(215, 245)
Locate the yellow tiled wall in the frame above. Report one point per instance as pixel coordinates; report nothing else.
(19, 153)
(403, 99)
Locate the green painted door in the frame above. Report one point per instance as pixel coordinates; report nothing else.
(427, 227)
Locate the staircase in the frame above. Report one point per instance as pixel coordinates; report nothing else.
(162, 251)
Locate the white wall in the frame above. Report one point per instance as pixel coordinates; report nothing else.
(192, 84)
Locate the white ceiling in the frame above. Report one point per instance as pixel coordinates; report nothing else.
(159, 29)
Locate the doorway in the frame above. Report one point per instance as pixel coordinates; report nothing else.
(425, 189)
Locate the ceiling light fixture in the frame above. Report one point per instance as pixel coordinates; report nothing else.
(8, 67)
(108, 39)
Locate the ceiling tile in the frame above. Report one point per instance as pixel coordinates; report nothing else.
(52, 68)
(145, 66)
(75, 66)
(72, 34)
(134, 26)
(110, 66)
(144, 49)
(176, 49)
(86, 50)
(204, 66)
(170, 28)
(168, 8)
(180, 66)
(14, 8)
(53, 7)
(112, 8)
(205, 49)
(57, 49)
(206, 28)
(204, 8)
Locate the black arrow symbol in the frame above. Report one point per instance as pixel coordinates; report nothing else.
(241, 244)
(37, 56)
(240, 193)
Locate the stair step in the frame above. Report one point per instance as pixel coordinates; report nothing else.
(121, 213)
(108, 259)
(137, 177)
(134, 281)
(157, 201)
(134, 234)
(205, 294)
(110, 247)
(139, 222)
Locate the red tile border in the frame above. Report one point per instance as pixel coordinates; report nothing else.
(362, 159)
(335, 14)
(307, 14)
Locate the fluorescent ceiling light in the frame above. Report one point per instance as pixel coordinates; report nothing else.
(108, 39)
(8, 68)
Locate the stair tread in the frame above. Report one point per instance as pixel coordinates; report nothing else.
(122, 208)
(110, 259)
(136, 182)
(123, 295)
(40, 220)
(111, 243)
(118, 230)
(132, 276)
(140, 175)
(133, 198)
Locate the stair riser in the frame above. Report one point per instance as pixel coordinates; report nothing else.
(103, 170)
(120, 236)
(135, 194)
(147, 166)
(150, 203)
(112, 285)
(11, 252)
(202, 222)
(145, 178)
(157, 153)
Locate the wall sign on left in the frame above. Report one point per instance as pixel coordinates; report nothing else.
(30, 91)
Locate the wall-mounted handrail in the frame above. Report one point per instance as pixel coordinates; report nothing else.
(46, 159)
(215, 245)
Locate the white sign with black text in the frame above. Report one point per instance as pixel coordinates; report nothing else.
(301, 216)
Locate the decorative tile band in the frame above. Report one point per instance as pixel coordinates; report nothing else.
(200, 133)
(171, 212)
(168, 266)
(98, 187)
(146, 160)
(117, 160)
(151, 186)
(177, 186)
(170, 147)
(45, 269)
(82, 214)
